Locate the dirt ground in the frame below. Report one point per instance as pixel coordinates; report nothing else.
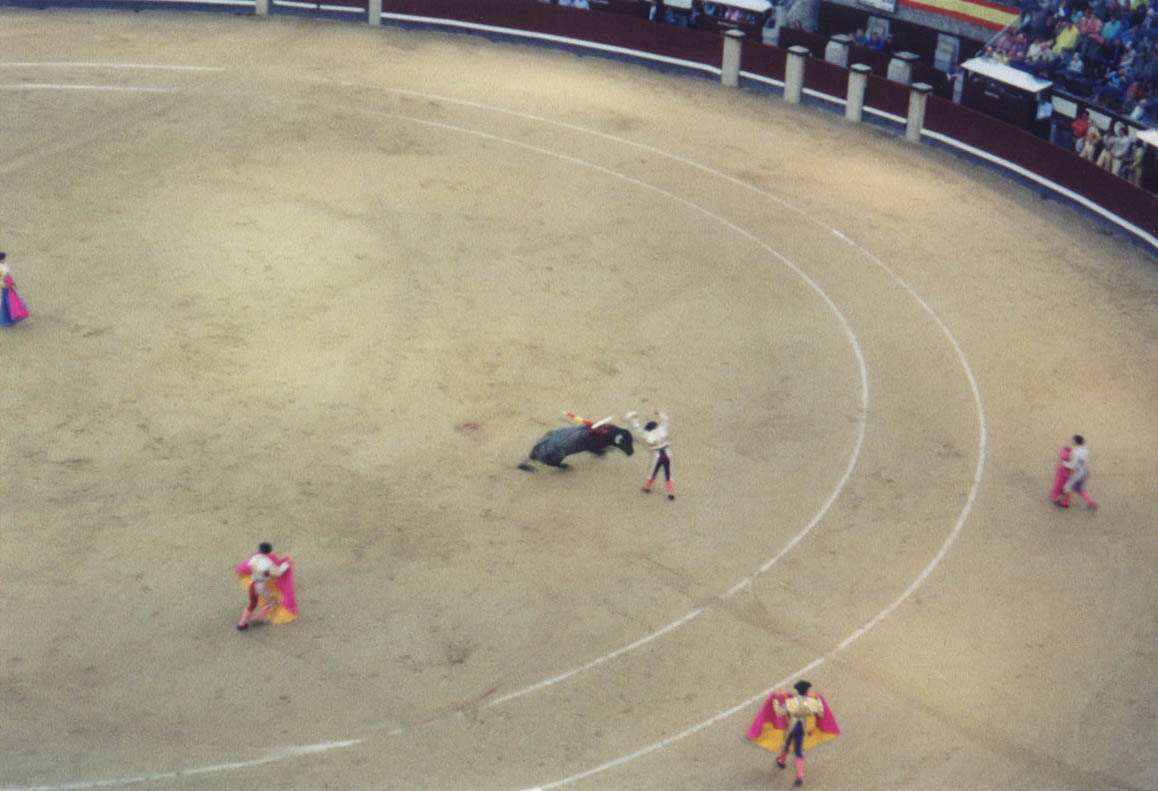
(324, 285)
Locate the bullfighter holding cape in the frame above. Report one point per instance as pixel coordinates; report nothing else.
(12, 308)
(269, 581)
(793, 722)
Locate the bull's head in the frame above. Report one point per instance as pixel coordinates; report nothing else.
(621, 438)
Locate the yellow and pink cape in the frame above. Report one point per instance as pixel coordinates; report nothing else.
(285, 608)
(768, 729)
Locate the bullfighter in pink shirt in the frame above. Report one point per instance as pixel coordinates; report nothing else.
(270, 583)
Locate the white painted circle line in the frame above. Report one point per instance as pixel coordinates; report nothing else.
(861, 429)
(271, 756)
(937, 558)
(48, 86)
(80, 65)
(844, 644)
(884, 613)
(286, 753)
(851, 336)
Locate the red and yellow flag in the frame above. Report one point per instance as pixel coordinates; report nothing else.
(977, 12)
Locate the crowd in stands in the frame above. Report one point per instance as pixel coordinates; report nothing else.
(872, 40)
(1104, 51)
(692, 16)
(1113, 150)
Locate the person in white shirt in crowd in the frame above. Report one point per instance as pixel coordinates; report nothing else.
(1115, 149)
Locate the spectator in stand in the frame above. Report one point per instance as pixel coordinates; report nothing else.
(1075, 79)
(1122, 153)
(996, 54)
(1044, 115)
(1148, 69)
(1016, 47)
(1089, 145)
(1126, 57)
(1113, 28)
(1006, 45)
(1112, 91)
(876, 42)
(1130, 95)
(1038, 22)
(1037, 51)
(1039, 57)
(1110, 49)
(1078, 129)
(998, 49)
(1111, 142)
(1137, 17)
(1066, 38)
(859, 38)
(1146, 111)
(1089, 34)
(1133, 172)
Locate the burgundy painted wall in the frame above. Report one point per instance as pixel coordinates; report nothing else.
(1008, 142)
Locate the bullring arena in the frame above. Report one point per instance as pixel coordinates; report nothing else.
(324, 284)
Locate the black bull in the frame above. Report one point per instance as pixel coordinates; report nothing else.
(562, 442)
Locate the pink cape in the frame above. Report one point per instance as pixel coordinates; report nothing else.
(284, 585)
(1060, 475)
(16, 308)
(768, 729)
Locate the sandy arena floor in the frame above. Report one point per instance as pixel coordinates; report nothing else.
(324, 285)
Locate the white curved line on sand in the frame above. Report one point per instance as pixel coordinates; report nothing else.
(298, 751)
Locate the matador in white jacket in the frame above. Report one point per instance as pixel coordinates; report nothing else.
(656, 436)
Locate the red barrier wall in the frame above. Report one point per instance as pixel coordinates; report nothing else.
(615, 30)
(1061, 166)
(887, 96)
(766, 61)
(702, 51)
(828, 78)
(1132, 204)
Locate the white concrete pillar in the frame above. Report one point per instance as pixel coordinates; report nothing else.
(374, 12)
(901, 67)
(918, 98)
(261, 8)
(837, 49)
(857, 82)
(730, 68)
(771, 35)
(794, 74)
